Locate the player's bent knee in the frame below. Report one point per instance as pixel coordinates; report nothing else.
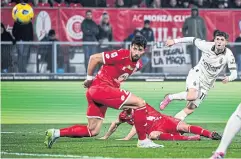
(191, 97)
(154, 135)
(183, 127)
(141, 102)
(94, 131)
(192, 94)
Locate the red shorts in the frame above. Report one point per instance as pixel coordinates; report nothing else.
(167, 124)
(100, 97)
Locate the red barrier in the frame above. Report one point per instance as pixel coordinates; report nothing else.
(165, 23)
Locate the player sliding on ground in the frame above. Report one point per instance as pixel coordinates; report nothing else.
(215, 58)
(161, 127)
(232, 128)
(104, 91)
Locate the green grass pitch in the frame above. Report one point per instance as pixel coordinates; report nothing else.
(29, 108)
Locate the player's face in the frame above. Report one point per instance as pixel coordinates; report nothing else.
(220, 43)
(89, 15)
(136, 52)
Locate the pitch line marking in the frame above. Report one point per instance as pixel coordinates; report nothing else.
(41, 155)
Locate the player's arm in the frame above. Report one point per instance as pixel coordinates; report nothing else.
(130, 135)
(93, 62)
(114, 125)
(200, 44)
(232, 69)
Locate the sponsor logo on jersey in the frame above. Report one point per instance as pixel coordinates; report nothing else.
(209, 67)
(232, 61)
(221, 61)
(194, 83)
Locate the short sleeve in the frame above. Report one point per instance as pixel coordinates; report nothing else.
(115, 56)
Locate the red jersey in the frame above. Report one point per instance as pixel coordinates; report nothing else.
(156, 121)
(152, 116)
(117, 67)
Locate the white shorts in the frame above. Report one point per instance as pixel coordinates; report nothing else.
(193, 81)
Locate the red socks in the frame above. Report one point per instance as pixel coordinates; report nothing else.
(75, 131)
(140, 122)
(167, 136)
(200, 131)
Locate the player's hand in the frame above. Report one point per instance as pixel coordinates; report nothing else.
(169, 42)
(225, 80)
(124, 139)
(87, 83)
(102, 138)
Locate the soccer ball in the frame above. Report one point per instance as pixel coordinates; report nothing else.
(22, 13)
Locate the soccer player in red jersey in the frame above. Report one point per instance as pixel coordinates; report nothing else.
(104, 91)
(161, 127)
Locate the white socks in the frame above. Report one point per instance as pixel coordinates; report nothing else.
(56, 133)
(232, 128)
(181, 115)
(178, 96)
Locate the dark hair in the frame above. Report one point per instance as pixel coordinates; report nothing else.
(221, 33)
(139, 40)
(215, 32)
(51, 32)
(88, 11)
(147, 22)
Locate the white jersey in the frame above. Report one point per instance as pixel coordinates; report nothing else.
(212, 64)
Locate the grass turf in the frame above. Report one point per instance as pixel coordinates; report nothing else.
(32, 106)
(29, 139)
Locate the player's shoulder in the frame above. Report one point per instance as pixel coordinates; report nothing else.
(229, 52)
(123, 52)
(207, 44)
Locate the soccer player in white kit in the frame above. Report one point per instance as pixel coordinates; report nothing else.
(232, 128)
(215, 58)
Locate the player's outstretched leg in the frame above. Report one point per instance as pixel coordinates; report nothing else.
(50, 137)
(183, 127)
(157, 135)
(191, 95)
(232, 128)
(165, 102)
(77, 131)
(74, 131)
(204, 132)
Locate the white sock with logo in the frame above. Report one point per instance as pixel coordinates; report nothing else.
(56, 133)
(181, 115)
(178, 96)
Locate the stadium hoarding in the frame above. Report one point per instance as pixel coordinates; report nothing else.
(166, 23)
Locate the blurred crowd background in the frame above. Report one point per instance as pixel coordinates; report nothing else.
(68, 58)
(132, 3)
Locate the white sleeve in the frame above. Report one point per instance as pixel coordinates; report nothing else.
(233, 75)
(231, 60)
(203, 45)
(184, 40)
(231, 65)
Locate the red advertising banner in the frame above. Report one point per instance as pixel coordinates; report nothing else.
(165, 23)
